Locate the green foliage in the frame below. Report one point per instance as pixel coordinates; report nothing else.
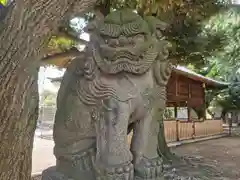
(229, 98)
(224, 28)
(60, 43)
(4, 2)
(219, 44)
(168, 113)
(205, 35)
(48, 98)
(184, 19)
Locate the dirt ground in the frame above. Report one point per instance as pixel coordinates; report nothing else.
(217, 159)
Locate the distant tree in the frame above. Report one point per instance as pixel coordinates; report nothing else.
(48, 98)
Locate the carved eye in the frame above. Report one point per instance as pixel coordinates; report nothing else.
(159, 33)
(113, 42)
(140, 37)
(130, 40)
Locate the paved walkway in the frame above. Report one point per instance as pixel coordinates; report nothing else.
(42, 156)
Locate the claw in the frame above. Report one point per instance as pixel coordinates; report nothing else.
(148, 172)
(159, 170)
(111, 171)
(131, 176)
(159, 162)
(148, 164)
(149, 169)
(119, 170)
(127, 169)
(154, 163)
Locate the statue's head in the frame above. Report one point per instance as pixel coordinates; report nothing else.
(124, 43)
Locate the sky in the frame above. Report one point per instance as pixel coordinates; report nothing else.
(44, 83)
(236, 1)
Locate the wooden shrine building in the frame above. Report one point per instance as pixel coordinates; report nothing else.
(187, 89)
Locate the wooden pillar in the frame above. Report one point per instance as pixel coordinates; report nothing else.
(194, 130)
(176, 86)
(204, 101)
(189, 97)
(175, 111)
(189, 113)
(177, 122)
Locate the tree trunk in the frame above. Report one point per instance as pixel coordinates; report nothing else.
(18, 116)
(163, 149)
(25, 33)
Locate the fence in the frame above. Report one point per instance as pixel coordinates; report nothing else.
(176, 130)
(46, 115)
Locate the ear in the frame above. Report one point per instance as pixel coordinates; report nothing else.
(94, 24)
(91, 27)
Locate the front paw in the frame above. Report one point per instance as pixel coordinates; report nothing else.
(123, 172)
(149, 169)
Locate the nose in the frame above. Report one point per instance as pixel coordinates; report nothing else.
(122, 40)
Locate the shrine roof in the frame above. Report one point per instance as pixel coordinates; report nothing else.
(198, 77)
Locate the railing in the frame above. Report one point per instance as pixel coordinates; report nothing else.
(176, 130)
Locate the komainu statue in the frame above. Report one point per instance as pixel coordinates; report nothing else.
(122, 74)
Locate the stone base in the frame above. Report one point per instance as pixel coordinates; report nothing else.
(52, 174)
(36, 177)
(159, 178)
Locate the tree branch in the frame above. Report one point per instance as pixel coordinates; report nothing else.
(104, 8)
(64, 33)
(62, 59)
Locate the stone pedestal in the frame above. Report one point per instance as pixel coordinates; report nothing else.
(52, 174)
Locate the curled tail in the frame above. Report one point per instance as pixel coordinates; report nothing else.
(162, 72)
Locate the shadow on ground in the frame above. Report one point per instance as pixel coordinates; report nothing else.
(217, 159)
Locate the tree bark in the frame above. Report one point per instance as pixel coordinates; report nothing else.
(24, 35)
(162, 144)
(163, 149)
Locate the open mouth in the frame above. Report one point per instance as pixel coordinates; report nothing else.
(121, 53)
(124, 55)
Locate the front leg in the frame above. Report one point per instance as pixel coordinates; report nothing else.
(146, 167)
(113, 158)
